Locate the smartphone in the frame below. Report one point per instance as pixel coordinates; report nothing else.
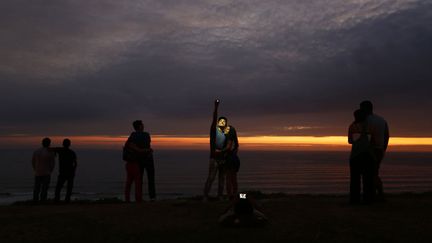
(242, 195)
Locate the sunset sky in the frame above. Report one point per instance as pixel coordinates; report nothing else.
(87, 69)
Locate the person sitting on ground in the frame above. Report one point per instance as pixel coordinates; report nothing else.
(243, 212)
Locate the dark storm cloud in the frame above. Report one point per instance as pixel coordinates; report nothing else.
(96, 65)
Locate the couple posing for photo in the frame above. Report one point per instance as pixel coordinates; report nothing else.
(223, 162)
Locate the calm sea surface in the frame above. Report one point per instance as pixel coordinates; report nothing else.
(101, 173)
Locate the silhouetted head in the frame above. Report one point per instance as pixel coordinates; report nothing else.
(243, 205)
(360, 115)
(66, 143)
(138, 125)
(366, 106)
(222, 122)
(46, 142)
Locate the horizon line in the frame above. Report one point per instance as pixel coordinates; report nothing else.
(246, 142)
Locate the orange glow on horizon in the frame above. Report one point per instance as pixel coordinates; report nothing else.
(247, 142)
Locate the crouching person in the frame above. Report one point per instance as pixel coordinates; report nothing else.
(243, 212)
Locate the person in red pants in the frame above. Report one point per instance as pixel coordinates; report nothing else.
(133, 176)
(136, 152)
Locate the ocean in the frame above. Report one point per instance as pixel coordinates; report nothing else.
(182, 173)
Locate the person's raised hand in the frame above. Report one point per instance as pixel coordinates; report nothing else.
(217, 101)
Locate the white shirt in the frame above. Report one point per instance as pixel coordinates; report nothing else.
(379, 130)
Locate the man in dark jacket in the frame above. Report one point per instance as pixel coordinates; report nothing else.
(67, 167)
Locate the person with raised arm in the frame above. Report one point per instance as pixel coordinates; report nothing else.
(219, 142)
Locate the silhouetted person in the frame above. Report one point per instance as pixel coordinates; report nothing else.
(380, 138)
(140, 158)
(67, 167)
(243, 212)
(218, 148)
(43, 162)
(232, 164)
(362, 159)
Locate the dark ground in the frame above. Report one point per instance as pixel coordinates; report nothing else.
(403, 218)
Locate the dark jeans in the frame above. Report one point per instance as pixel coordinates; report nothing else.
(231, 183)
(379, 154)
(216, 166)
(61, 179)
(148, 166)
(362, 171)
(41, 188)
